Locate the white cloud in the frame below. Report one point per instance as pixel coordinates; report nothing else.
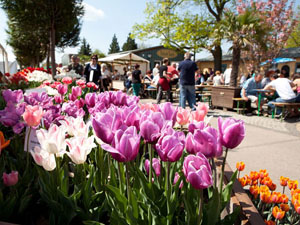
(91, 13)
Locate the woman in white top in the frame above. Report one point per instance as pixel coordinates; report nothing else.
(217, 78)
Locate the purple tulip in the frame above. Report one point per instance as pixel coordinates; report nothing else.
(106, 124)
(58, 99)
(18, 128)
(197, 171)
(150, 131)
(196, 125)
(79, 103)
(76, 92)
(12, 96)
(231, 131)
(71, 109)
(205, 141)
(62, 89)
(170, 147)
(169, 112)
(42, 99)
(155, 166)
(10, 115)
(125, 146)
(176, 178)
(131, 116)
(90, 99)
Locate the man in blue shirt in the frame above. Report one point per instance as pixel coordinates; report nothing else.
(187, 70)
(248, 91)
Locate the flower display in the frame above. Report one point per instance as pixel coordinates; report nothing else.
(10, 179)
(3, 143)
(33, 115)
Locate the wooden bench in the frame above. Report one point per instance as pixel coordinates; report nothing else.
(286, 107)
(152, 92)
(207, 97)
(238, 101)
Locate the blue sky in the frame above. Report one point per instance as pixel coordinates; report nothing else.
(103, 19)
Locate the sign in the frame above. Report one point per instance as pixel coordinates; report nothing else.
(167, 53)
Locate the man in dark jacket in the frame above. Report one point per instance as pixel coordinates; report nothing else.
(187, 70)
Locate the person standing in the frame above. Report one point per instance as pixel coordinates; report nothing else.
(187, 69)
(92, 71)
(136, 80)
(155, 70)
(105, 77)
(163, 83)
(75, 65)
(227, 74)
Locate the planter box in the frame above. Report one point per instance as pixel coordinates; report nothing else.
(249, 214)
(221, 96)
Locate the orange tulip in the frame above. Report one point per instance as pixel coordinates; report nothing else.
(284, 207)
(254, 175)
(295, 192)
(264, 188)
(272, 187)
(297, 208)
(265, 196)
(240, 166)
(3, 142)
(269, 222)
(254, 182)
(266, 181)
(293, 184)
(278, 213)
(275, 197)
(295, 199)
(254, 190)
(283, 181)
(243, 181)
(284, 198)
(263, 173)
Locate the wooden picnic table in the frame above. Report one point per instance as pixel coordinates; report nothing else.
(260, 92)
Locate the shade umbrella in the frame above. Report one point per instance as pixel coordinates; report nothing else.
(278, 60)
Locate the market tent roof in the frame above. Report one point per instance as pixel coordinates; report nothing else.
(278, 60)
(123, 58)
(5, 59)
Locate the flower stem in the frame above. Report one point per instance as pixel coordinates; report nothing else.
(167, 184)
(27, 156)
(128, 185)
(199, 220)
(215, 171)
(120, 177)
(283, 190)
(222, 173)
(150, 166)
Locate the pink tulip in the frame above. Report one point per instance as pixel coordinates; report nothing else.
(10, 179)
(202, 106)
(183, 116)
(196, 125)
(169, 112)
(170, 147)
(33, 115)
(62, 89)
(205, 141)
(198, 115)
(176, 178)
(58, 99)
(155, 166)
(232, 132)
(76, 92)
(125, 146)
(197, 171)
(80, 83)
(67, 80)
(106, 124)
(150, 131)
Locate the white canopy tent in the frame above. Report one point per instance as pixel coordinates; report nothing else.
(3, 53)
(119, 60)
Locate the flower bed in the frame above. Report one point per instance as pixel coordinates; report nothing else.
(274, 206)
(82, 157)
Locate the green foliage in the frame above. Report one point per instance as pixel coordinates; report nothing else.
(129, 44)
(31, 22)
(114, 46)
(85, 48)
(294, 39)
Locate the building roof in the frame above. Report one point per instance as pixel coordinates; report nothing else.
(225, 57)
(290, 53)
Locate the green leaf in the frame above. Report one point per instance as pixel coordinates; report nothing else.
(226, 194)
(121, 199)
(90, 222)
(211, 211)
(231, 218)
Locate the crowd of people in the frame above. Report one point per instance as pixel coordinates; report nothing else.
(275, 86)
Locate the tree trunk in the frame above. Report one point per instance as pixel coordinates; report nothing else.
(217, 54)
(52, 49)
(236, 56)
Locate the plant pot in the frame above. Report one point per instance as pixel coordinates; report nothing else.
(249, 214)
(221, 96)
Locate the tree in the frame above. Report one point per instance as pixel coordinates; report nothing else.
(179, 26)
(294, 39)
(277, 17)
(129, 44)
(85, 48)
(114, 46)
(241, 29)
(60, 24)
